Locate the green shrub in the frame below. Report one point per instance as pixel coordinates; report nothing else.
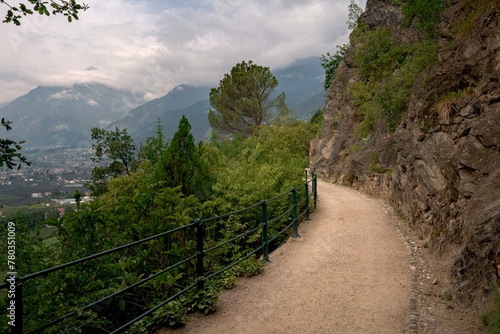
(250, 267)
(262, 166)
(317, 118)
(492, 319)
(204, 300)
(425, 15)
(474, 11)
(387, 72)
(375, 166)
(173, 314)
(376, 53)
(331, 62)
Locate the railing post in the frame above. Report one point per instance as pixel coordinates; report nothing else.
(315, 188)
(15, 306)
(306, 186)
(199, 253)
(294, 214)
(265, 240)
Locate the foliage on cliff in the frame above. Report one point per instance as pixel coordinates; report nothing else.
(388, 67)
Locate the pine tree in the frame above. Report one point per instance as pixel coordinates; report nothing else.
(243, 101)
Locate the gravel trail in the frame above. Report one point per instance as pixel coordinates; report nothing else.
(348, 272)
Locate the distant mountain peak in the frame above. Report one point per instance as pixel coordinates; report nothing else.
(59, 115)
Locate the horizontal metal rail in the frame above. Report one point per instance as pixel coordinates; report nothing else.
(95, 256)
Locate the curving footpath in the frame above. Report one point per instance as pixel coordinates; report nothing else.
(348, 272)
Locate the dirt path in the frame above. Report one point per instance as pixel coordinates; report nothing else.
(348, 272)
(354, 269)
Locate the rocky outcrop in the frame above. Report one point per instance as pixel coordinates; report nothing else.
(441, 167)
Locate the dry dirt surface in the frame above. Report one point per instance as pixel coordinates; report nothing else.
(354, 269)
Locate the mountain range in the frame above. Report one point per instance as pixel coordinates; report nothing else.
(63, 116)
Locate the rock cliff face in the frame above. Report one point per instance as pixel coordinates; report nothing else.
(441, 166)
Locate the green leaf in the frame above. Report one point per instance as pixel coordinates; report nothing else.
(121, 305)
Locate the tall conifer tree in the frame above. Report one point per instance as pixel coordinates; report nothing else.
(182, 165)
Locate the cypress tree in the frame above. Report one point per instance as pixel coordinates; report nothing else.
(182, 165)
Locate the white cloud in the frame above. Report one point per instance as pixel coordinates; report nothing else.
(151, 46)
(63, 95)
(207, 42)
(91, 102)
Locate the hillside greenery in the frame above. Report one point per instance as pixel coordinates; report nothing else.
(388, 65)
(171, 184)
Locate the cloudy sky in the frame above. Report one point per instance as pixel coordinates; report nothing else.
(151, 46)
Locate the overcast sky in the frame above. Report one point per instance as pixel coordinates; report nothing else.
(151, 46)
